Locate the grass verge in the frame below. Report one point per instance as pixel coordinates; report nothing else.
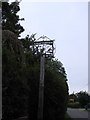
(67, 117)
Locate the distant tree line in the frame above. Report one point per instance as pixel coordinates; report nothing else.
(82, 98)
(21, 73)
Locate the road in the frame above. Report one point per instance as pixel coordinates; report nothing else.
(78, 114)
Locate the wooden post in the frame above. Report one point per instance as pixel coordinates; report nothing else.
(41, 89)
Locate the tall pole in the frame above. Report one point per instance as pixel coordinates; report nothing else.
(41, 89)
(45, 47)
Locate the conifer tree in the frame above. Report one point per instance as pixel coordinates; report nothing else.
(10, 19)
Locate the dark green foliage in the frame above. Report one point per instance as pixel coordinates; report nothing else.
(33, 95)
(21, 74)
(14, 84)
(56, 91)
(33, 73)
(56, 88)
(10, 19)
(83, 98)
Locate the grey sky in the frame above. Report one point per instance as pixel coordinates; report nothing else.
(67, 23)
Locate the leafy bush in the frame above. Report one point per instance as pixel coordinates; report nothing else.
(74, 105)
(55, 92)
(14, 84)
(83, 98)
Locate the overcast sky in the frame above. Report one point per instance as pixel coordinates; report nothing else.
(67, 23)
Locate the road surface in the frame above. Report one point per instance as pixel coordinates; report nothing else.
(78, 114)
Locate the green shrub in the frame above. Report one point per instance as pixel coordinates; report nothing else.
(74, 105)
(55, 94)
